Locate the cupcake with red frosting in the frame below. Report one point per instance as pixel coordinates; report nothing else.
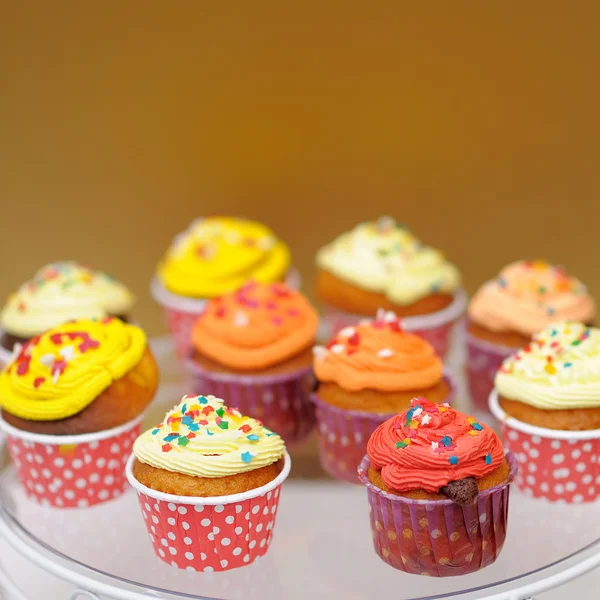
(438, 486)
(366, 374)
(254, 347)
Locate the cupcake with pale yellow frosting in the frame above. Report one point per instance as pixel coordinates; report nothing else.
(254, 347)
(60, 292)
(208, 480)
(523, 299)
(365, 374)
(215, 256)
(381, 264)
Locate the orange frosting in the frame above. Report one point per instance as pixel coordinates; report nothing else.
(378, 355)
(258, 326)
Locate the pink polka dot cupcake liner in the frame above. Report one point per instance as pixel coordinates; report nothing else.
(561, 466)
(343, 435)
(437, 328)
(483, 361)
(438, 538)
(282, 402)
(210, 534)
(181, 312)
(72, 471)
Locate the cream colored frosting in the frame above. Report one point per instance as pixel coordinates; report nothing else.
(529, 295)
(60, 292)
(385, 257)
(219, 440)
(560, 369)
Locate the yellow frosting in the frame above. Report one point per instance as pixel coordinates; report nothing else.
(58, 374)
(204, 438)
(59, 292)
(385, 257)
(217, 255)
(560, 369)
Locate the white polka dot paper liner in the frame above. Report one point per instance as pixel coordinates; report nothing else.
(553, 464)
(343, 435)
(72, 471)
(483, 360)
(437, 328)
(210, 534)
(181, 312)
(438, 538)
(282, 401)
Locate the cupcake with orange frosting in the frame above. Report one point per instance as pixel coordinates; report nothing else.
(438, 486)
(523, 299)
(365, 374)
(254, 347)
(214, 257)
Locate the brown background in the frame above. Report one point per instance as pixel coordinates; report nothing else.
(121, 121)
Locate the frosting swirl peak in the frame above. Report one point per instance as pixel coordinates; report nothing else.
(204, 438)
(430, 445)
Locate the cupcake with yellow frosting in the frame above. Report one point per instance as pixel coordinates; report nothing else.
(547, 398)
(523, 299)
(60, 292)
(208, 481)
(213, 257)
(381, 264)
(72, 401)
(254, 347)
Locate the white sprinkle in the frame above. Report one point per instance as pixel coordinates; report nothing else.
(389, 316)
(445, 404)
(55, 376)
(320, 352)
(385, 353)
(426, 419)
(67, 352)
(240, 319)
(47, 360)
(347, 332)
(338, 348)
(417, 411)
(434, 445)
(16, 351)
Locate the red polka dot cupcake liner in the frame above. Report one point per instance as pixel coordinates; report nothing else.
(210, 534)
(438, 538)
(437, 328)
(343, 435)
(561, 466)
(483, 361)
(72, 471)
(282, 402)
(181, 312)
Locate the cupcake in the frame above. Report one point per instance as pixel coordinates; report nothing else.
(213, 257)
(438, 487)
(208, 481)
(254, 348)
(57, 293)
(547, 398)
(72, 402)
(503, 315)
(366, 374)
(382, 265)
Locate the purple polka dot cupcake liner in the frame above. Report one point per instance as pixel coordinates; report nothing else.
(343, 435)
(210, 534)
(438, 538)
(282, 401)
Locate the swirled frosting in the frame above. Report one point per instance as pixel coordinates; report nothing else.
(258, 326)
(377, 354)
(385, 257)
(59, 373)
(217, 255)
(560, 369)
(529, 295)
(204, 438)
(430, 445)
(62, 291)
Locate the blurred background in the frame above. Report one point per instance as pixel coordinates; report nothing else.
(475, 123)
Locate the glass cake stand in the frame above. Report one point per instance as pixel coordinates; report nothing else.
(322, 547)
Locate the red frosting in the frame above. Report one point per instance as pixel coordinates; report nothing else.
(430, 445)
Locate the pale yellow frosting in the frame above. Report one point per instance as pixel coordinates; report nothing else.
(204, 438)
(59, 292)
(387, 258)
(560, 369)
